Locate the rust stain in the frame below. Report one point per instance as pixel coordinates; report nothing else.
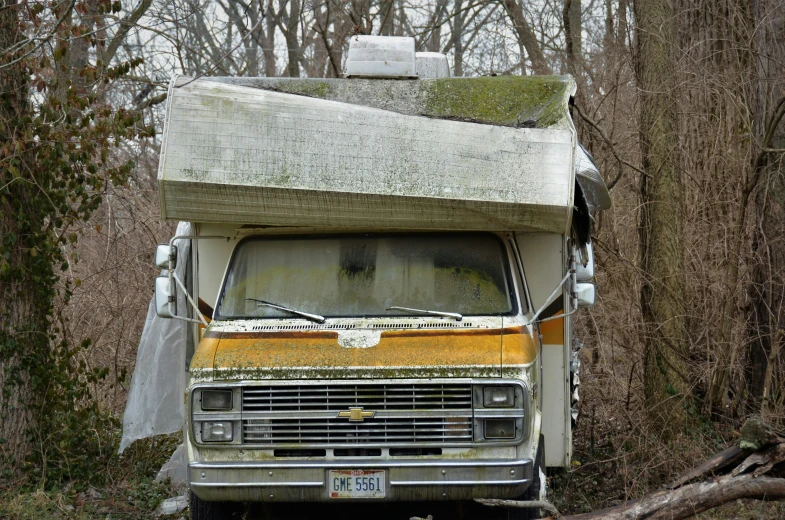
(205, 352)
(404, 348)
(518, 348)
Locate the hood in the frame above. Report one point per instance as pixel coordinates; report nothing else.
(329, 354)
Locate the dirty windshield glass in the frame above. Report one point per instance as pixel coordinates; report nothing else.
(364, 275)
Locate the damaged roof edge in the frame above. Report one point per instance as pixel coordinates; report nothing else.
(515, 101)
(259, 155)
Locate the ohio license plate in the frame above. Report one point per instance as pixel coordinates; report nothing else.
(356, 483)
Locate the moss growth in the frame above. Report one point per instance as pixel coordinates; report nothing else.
(756, 434)
(305, 87)
(501, 100)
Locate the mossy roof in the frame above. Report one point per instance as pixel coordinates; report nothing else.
(517, 101)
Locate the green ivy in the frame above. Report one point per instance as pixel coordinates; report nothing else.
(58, 141)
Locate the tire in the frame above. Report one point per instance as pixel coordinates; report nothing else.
(533, 492)
(204, 510)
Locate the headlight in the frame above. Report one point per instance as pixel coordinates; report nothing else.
(499, 428)
(216, 400)
(217, 431)
(499, 397)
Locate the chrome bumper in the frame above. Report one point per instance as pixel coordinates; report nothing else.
(306, 481)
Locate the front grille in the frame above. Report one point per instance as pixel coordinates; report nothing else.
(373, 431)
(406, 413)
(416, 396)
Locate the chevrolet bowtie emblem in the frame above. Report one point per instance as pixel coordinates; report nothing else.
(356, 414)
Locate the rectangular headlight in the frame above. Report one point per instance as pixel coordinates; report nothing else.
(217, 431)
(499, 428)
(498, 397)
(216, 400)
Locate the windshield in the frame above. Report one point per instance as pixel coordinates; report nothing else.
(346, 276)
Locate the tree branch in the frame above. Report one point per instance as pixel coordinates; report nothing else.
(610, 146)
(155, 100)
(225, 55)
(42, 41)
(125, 25)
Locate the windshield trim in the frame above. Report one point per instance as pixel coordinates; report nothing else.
(504, 248)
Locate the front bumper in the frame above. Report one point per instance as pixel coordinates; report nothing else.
(406, 480)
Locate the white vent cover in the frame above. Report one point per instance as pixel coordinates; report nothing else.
(381, 57)
(432, 65)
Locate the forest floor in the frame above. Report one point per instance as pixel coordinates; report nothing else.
(135, 495)
(139, 500)
(615, 459)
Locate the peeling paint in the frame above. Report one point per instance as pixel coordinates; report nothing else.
(359, 338)
(319, 354)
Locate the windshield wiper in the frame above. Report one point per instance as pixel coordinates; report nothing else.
(455, 315)
(306, 315)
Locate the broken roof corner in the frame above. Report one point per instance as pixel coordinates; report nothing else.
(520, 101)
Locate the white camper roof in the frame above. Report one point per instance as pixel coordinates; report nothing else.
(256, 154)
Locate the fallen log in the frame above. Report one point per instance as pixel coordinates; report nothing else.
(720, 461)
(532, 504)
(691, 499)
(754, 469)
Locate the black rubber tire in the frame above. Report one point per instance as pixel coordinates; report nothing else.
(204, 510)
(533, 491)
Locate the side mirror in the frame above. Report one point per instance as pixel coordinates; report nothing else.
(584, 273)
(165, 297)
(162, 255)
(585, 295)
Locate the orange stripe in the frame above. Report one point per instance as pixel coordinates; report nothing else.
(552, 332)
(395, 349)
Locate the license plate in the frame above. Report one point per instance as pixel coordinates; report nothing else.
(356, 483)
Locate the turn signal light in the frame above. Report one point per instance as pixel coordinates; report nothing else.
(499, 428)
(217, 431)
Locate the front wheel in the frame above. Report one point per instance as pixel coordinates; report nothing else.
(204, 510)
(534, 491)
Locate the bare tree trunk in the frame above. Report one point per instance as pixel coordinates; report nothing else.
(387, 16)
(661, 229)
(293, 40)
(457, 38)
(433, 44)
(23, 318)
(621, 35)
(571, 17)
(251, 41)
(765, 357)
(319, 66)
(400, 26)
(526, 37)
(609, 31)
(268, 39)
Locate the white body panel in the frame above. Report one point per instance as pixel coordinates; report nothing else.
(246, 156)
(544, 263)
(542, 255)
(213, 257)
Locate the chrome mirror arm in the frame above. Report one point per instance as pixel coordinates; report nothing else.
(548, 300)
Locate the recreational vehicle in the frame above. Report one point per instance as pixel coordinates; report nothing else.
(381, 278)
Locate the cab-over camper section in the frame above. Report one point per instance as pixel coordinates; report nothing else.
(467, 199)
